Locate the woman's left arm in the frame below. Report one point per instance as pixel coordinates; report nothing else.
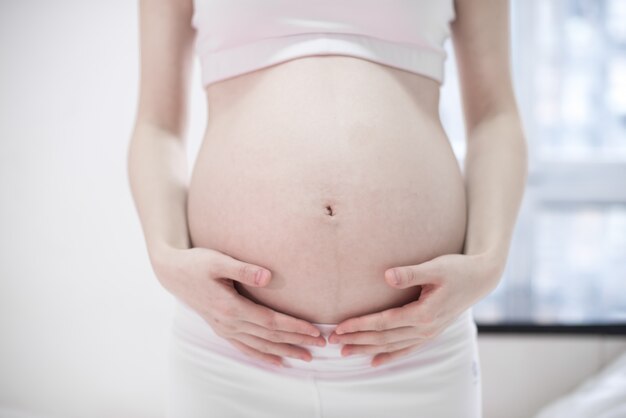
(497, 158)
(495, 177)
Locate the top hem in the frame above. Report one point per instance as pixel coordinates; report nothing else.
(229, 63)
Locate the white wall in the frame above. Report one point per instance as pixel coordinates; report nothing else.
(522, 373)
(83, 321)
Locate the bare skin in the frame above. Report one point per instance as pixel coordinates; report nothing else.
(325, 171)
(327, 197)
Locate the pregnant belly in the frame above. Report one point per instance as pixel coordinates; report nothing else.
(327, 188)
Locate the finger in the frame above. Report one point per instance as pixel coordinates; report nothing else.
(374, 337)
(387, 357)
(269, 358)
(270, 347)
(280, 336)
(348, 350)
(273, 320)
(430, 271)
(378, 321)
(229, 267)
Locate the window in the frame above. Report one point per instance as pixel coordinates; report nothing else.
(567, 263)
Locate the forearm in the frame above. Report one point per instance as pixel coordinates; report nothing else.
(495, 177)
(157, 172)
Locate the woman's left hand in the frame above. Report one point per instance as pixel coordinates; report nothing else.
(451, 283)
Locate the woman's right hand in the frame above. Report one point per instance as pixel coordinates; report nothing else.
(204, 280)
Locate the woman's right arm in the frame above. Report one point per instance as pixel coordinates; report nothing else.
(157, 161)
(158, 176)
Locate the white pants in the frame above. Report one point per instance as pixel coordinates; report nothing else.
(210, 378)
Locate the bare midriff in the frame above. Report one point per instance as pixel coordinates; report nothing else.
(327, 170)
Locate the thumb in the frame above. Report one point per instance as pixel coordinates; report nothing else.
(419, 274)
(243, 272)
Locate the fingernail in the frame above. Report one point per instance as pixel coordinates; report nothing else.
(396, 277)
(258, 278)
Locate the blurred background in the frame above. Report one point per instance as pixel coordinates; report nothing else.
(568, 261)
(83, 321)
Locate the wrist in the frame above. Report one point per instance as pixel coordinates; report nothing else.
(160, 252)
(495, 255)
(493, 263)
(163, 258)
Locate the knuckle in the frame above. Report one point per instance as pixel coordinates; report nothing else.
(395, 346)
(381, 339)
(391, 315)
(245, 272)
(379, 324)
(390, 347)
(275, 336)
(264, 348)
(384, 318)
(348, 339)
(271, 322)
(410, 275)
(270, 348)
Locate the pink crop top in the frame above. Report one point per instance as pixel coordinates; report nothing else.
(239, 36)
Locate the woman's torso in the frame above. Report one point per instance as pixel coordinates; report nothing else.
(327, 170)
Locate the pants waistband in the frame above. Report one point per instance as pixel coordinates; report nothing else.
(326, 361)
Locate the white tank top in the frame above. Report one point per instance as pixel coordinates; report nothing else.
(239, 36)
